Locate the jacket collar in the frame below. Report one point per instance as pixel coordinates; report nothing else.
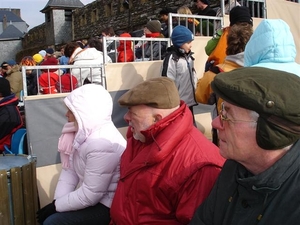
(275, 176)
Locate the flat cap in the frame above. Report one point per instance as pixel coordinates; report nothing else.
(273, 94)
(158, 93)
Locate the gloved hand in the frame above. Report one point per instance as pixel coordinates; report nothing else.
(45, 212)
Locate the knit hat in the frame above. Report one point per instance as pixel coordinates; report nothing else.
(50, 62)
(181, 35)
(154, 26)
(38, 58)
(204, 1)
(273, 94)
(160, 93)
(43, 53)
(240, 14)
(66, 83)
(27, 61)
(49, 51)
(11, 62)
(4, 87)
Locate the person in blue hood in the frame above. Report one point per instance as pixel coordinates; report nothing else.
(272, 46)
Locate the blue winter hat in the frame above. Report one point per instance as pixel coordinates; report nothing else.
(11, 62)
(181, 35)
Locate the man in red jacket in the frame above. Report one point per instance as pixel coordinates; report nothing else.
(168, 167)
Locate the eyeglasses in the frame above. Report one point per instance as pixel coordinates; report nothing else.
(223, 117)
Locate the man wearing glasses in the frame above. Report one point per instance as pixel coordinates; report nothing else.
(259, 130)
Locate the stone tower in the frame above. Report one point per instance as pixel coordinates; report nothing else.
(58, 20)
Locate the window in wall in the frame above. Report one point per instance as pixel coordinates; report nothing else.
(94, 15)
(47, 17)
(83, 20)
(68, 15)
(107, 10)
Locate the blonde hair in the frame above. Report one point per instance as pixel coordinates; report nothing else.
(184, 10)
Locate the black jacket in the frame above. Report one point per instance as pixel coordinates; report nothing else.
(240, 198)
(10, 119)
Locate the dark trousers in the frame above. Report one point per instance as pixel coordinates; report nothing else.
(94, 215)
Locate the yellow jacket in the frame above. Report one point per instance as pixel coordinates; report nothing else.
(204, 92)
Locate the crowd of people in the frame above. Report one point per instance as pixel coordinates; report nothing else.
(167, 171)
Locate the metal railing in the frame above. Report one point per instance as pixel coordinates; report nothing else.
(91, 77)
(134, 41)
(206, 27)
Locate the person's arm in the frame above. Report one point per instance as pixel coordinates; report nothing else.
(212, 43)
(169, 68)
(67, 182)
(101, 161)
(194, 192)
(8, 121)
(203, 91)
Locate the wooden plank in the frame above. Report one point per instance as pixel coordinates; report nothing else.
(17, 196)
(4, 199)
(30, 217)
(34, 189)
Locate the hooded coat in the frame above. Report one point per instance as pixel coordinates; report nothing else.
(164, 179)
(90, 57)
(272, 46)
(94, 164)
(125, 53)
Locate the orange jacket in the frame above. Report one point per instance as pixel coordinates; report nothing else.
(218, 55)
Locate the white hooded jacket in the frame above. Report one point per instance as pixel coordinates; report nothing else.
(88, 57)
(98, 146)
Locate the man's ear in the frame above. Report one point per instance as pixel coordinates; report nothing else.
(157, 117)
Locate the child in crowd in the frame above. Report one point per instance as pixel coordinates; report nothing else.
(179, 65)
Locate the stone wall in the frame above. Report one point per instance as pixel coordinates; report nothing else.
(9, 49)
(112, 13)
(91, 19)
(33, 42)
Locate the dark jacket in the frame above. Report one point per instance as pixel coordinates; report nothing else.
(31, 81)
(10, 119)
(153, 50)
(207, 12)
(271, 197)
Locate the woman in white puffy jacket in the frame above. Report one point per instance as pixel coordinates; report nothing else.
(88, 56)
(90, 147)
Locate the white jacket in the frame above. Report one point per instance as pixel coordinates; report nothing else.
(88, 56)
(98, 146)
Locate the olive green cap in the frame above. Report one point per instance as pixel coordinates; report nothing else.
(273, 94)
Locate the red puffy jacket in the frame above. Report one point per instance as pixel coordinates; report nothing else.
(125, 53)
(164, 180)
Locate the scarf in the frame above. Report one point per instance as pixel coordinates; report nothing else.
(65, 143)
(153, 35)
